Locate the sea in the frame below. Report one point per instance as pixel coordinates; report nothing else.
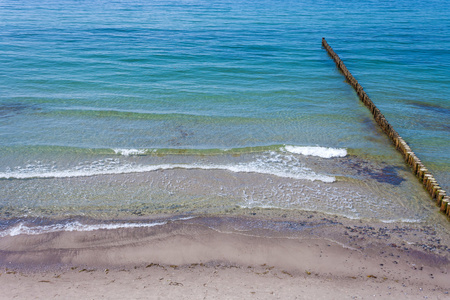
(115, 113)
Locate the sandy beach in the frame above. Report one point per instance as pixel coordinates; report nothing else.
(232, 257)
(223, 150)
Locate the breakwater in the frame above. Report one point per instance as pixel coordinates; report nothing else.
(418, 168)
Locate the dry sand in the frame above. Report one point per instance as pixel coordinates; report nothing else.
(311, 256)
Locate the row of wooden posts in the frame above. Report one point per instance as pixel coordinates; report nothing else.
(418, 168)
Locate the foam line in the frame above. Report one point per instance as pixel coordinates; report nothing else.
(323, 152)
(21, 228)
(125, 169)
(130, 152)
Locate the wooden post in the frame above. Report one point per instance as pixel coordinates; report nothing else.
(422, 173)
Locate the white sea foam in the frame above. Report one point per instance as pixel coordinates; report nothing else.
(129, 152)
(316, 151)
(401, 220)
(277, 164)
(243, 168)
(72, 226)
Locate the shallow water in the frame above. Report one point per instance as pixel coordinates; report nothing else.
(218, 183)
(130, 107)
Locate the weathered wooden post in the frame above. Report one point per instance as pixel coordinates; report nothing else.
(427, 179)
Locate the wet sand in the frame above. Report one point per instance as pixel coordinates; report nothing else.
(290, 256)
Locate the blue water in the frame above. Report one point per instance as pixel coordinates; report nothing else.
(183, 82)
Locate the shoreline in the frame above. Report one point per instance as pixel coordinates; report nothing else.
(218, 257)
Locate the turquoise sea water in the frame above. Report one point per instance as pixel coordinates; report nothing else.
(113, 108)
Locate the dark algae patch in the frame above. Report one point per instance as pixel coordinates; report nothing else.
(432, 107)
(11, 109)
(388, 174)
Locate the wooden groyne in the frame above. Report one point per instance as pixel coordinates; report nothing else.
(418, 168)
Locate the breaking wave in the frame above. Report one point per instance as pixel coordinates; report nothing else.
(323, 152)
(282, 161)
(22, 228)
